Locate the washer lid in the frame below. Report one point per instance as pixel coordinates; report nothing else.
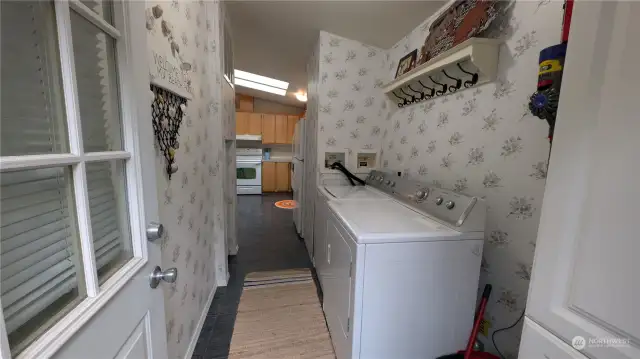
(390, 221)
(354, 192)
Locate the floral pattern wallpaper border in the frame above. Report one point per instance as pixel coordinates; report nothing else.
(192, 203)
(480, 141)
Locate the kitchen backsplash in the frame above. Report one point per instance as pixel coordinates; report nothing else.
(480, 141)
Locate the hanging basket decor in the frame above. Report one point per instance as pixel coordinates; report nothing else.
(167, 111)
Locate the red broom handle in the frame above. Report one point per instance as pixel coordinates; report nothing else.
(478, 320)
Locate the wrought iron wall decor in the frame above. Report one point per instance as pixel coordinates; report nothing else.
(167, 111)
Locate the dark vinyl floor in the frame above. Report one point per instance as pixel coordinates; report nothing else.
(268, 241)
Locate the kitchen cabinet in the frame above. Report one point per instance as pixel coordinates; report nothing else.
(281, 129)
(268, 128)
(291, 127)
(268, 176)
(244, 103)
(242, 123)
(283, 176)
(276, 177)
(255, 124)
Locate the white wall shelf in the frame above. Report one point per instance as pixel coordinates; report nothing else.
(475, 55)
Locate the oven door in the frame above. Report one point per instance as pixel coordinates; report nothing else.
(249, 173)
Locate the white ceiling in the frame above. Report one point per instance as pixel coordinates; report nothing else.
(275, 38)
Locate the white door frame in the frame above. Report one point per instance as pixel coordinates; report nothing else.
(133, 72)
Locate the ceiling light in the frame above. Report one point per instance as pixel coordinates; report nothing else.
(301, 96)
(261, 87)
(243, 75)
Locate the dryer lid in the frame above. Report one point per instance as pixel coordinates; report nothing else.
(354, 192)
(390, 221)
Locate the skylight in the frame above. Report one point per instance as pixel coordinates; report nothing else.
(262, 83)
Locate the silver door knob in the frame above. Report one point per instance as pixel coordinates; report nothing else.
(154, 231)
(169, 276)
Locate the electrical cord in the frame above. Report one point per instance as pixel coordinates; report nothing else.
(349, 175)
(503, 329)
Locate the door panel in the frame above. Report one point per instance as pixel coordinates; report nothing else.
(255, 124)
(281, 129)
(268, 128)
(242, 123)
(112, 205)
(136, 345)
(268, 177)
(584, 277)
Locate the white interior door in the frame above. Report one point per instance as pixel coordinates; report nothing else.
(585, 271)
(75, 131)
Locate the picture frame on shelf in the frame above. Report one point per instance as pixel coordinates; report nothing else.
(407, 63)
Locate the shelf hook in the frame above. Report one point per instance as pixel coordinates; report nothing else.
(422, 94)
(404, 100)
(458, 84)
(413, 98)
(433, 91)
(444, 87)
(474, 77)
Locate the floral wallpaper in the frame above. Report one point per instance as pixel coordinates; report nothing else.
(480, 141)
(350, 103)
(192, 203)
(484, 142)
(311, 143)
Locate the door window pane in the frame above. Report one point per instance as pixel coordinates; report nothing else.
(40, 258)
(104, 8)
(109, 216)
(246, 173)
(96, 76)
(31, 97)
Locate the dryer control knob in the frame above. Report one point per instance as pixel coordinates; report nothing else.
(439, 200)
(380, 179)
(387, 182)
(392, 184)
(450, 204)
(422, 194)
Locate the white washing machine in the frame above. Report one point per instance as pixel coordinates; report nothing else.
(334, 193)
(401, 273)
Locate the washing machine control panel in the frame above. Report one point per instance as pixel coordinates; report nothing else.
(446, 205)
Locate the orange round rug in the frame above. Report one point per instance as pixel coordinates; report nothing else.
(286, 204)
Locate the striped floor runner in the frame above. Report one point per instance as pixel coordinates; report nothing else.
(280, 317)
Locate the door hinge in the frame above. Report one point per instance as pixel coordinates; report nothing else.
(348, 324)
(350, 269)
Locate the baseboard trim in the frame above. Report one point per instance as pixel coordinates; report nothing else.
(203, 317)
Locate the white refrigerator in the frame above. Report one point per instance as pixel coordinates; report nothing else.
(297, 175)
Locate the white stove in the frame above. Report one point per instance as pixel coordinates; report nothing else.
(399, 264)
(249, 170)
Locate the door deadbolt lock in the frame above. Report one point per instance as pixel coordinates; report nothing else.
(170, 275)
(154, 231)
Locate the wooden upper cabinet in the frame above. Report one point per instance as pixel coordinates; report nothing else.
(281, 129)
(269, 177)
(242, 123)
(255, 124)
(244, 103)
(268, 128)
(291, 127)
(283, 176)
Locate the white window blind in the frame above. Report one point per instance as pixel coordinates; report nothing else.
(41, 273)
